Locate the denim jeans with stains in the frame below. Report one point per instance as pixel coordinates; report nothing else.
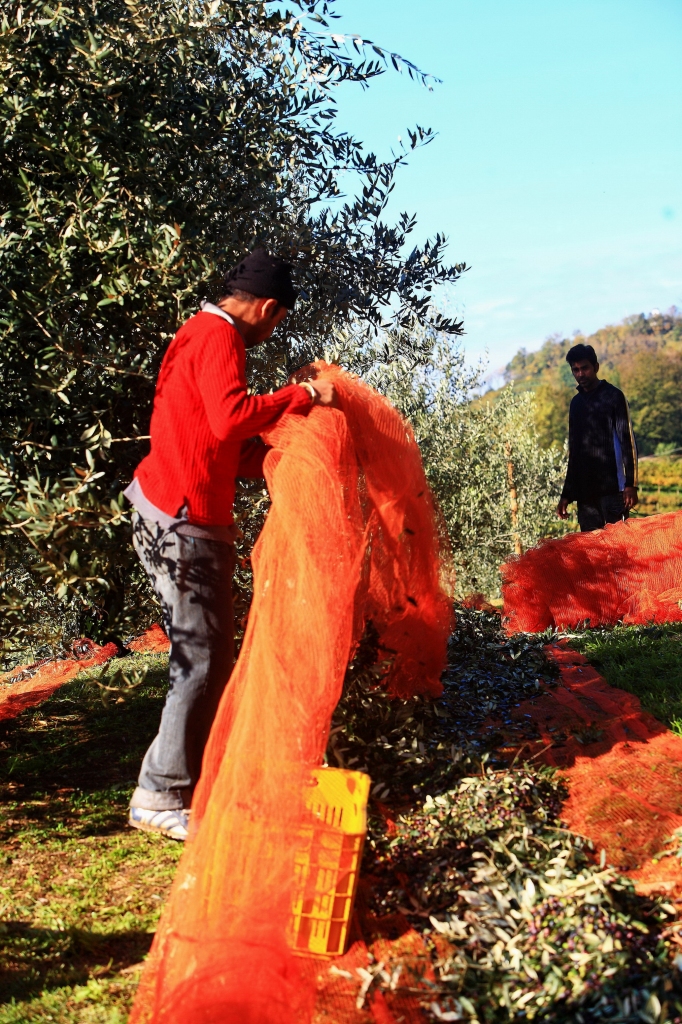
(192, 578)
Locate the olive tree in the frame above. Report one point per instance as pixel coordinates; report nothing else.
(145, 147)
(496, 486)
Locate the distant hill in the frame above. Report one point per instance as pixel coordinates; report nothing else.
(642, 355)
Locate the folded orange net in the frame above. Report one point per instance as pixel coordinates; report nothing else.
(351, 536)
(630, 571)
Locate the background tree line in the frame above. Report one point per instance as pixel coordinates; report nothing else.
(643, 356)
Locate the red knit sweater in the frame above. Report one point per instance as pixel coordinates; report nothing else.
(202, 420)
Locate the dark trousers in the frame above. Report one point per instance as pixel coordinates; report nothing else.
(597, 512)
(192, 579)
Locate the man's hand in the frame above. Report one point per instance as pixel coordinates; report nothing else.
(630, 498)
(326, 393)
(562, 508)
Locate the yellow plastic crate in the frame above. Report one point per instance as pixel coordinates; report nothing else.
(328, 862)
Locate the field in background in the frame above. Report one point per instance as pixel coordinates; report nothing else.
(660, 482)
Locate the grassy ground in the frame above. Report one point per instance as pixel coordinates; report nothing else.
(80, 893)
(646, 661)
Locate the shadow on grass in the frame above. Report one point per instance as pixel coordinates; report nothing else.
(70, 764)
(39, 959)
(67, 768)
(74, 743)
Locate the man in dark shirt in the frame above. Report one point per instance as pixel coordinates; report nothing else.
(602, 453)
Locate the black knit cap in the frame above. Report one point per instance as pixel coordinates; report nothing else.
(266, 276)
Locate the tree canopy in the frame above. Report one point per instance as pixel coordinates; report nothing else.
(145, 147)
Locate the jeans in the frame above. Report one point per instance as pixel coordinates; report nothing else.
(597, 512)
(192, 579)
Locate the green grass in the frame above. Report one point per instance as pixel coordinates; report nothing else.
(80, 892)
(644, 660)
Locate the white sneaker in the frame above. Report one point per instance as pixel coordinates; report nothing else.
(173, 824)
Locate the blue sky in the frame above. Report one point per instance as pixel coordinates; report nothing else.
(557, 171)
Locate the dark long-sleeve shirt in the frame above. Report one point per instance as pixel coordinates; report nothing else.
(602, 453)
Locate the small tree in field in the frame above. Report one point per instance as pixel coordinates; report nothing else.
(145, 147)
(495, 484)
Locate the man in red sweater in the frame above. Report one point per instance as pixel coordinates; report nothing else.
(204, 434)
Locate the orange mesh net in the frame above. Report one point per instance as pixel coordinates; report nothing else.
(630, 571)
(351, 536)
(623, 767)
(152, 641)
(28, 685)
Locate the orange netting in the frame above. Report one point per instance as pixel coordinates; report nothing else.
(630, 571)
(351, 536)
(152, 641)
(28, 685)
(623, 767)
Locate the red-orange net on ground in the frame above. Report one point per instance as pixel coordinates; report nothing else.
(622, 766)
(351, 536)
(28, 685)
(630, 571)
